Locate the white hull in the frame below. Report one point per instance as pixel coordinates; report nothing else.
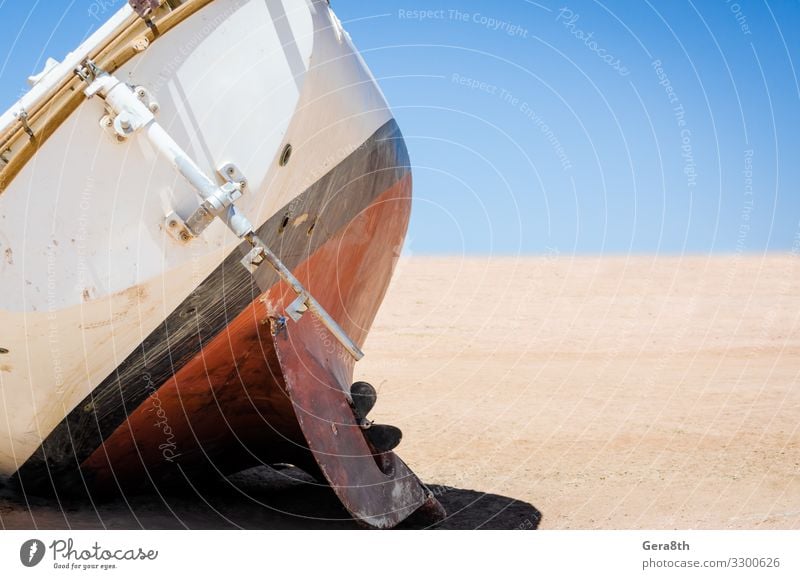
(87, 270)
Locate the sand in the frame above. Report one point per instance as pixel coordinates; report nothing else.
(558, 393)
(609, 393)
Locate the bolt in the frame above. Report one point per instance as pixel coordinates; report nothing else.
(184, 236)
(173, 223)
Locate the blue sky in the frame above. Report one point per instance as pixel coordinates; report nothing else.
(578, 127)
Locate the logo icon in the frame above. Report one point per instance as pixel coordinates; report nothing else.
(32, 552)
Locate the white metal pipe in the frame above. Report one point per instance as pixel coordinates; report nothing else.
(129, 109)
(131, 116)
(311, 303)
(178, 158)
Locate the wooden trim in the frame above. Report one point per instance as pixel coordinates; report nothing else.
(48, 116)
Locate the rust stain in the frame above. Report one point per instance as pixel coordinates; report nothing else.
(135, 294)
(105, 322)
(254, 395)
(5, 368)
(9, 255)
(224, 398)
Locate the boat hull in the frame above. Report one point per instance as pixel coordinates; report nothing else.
(223, 380)
(228, 382)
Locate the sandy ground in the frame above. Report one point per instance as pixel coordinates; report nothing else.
(614, 393)
(608, 393)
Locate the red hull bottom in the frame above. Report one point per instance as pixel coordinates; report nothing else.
(267, 390)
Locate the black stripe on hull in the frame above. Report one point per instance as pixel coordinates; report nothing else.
(331, 203)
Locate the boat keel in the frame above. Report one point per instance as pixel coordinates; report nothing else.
(377, 488)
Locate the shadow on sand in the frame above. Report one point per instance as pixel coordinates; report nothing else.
(260, 498)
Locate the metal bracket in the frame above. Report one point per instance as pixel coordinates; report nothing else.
(210, 209)
(22, 116)
(252, 260)
(88, 73)
(213, 206)
(304, 301)
(232, 174)
(133, 111)
(297, 308)
(177, 228)
(147, 98)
